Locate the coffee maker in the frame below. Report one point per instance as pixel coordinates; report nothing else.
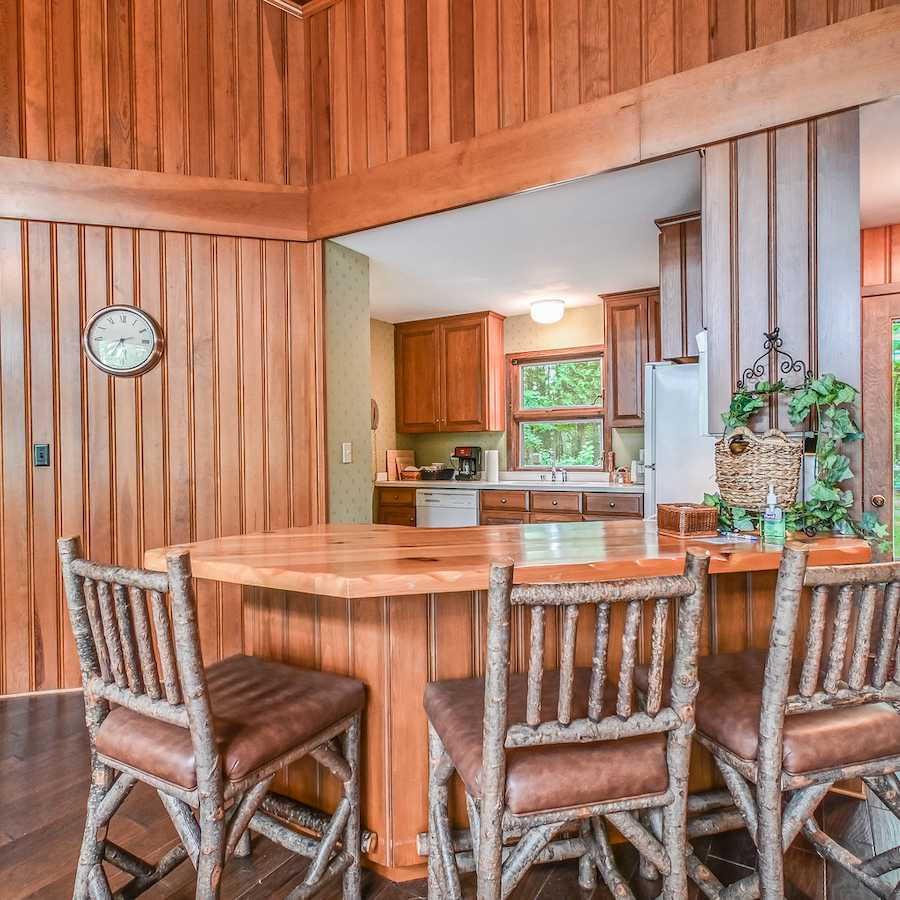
(468, 460)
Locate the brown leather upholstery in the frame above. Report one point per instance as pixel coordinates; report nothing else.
(728, 713)
(261, 710)
(545, 778)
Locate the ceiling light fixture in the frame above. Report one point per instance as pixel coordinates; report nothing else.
(546, 312)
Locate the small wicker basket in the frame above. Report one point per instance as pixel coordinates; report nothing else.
(406, 475)
(763, 459)
(687, 519)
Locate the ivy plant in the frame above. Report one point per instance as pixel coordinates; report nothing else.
(827, 401)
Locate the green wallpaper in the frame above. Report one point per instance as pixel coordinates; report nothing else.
(348, 383)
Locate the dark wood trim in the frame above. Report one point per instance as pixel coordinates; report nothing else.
(516, 414)
(638, 292)
(677, 219)
(822, 71)
(127, 198)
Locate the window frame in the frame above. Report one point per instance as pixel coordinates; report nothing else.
(517, 416)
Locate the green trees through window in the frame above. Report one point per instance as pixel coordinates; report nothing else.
(557, 387)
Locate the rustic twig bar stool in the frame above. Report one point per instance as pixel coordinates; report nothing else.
(795, 724)
(210, 741)
(529, 776)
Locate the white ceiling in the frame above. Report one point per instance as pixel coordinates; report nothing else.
(574, 241)
(879, 181)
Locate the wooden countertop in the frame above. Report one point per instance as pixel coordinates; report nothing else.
(354, 561)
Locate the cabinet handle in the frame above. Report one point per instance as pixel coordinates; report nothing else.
(556, 502)
(612, 504)
(503, 499)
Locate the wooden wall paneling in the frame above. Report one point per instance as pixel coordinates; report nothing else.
(770, 21)
(36, 88)
(91, 43)
(791, 232)
(41, 406)
(880, 251)
(418, 124)
(538, 100)
(692, 34)
(62, 73)
(486, 66)
(594, 42)
(512, 62)
(119, 80)
(339, 85)
(626, 36)
(10, 102)
(274, 113)
(297, 100)
(658, 50)
(438, 39)
(228, 437)
(320, 99)
(376, 82)
(15, 509)
(68, 449)
(728, 28)
(565, 36)
(145, 40)
(174, 156)
(837, 313)
(809, 14)
(358, 150)
(395, 77)
(462, 70)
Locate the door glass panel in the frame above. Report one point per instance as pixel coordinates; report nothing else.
(895, 442)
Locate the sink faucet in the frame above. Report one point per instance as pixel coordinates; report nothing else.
(553, 472)
(563, 475)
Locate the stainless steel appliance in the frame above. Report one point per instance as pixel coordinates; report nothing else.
(468, 460)
(449, 508)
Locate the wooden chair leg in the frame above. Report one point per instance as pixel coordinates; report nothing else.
(587, 870)
(211, 858)
(443, 874)
(675, 883)
(94, 837)
(352, 876)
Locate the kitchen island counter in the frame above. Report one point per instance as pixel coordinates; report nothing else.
(397, 607)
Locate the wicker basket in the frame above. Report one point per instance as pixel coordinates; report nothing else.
(769, 458)
(410, 476)
(687, 519)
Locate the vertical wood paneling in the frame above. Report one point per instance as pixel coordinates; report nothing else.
(320, 97)
(564, 53)
(438, 72)
(337, 78)
(659, 43)
(537, 58)
(395, 76)
(512, 63)
(880, 250)
(376, 83)
(462, 70)
(594, 36)
(626, 39)
(486, 86)
(168, 457)
(779, 248)
(157, 85)
(729, 28)
(356, 84)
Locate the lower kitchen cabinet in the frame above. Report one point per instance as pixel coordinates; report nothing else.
(538, 518)
(498, 517)
(395, 506)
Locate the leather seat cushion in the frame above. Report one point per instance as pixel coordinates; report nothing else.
(261, 710)
(550, 777)
(729, 702)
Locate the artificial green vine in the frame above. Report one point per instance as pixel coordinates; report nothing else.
(828, 508)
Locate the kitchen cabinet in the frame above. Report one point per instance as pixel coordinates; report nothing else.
(395, 506)
(632, 339)
(556, 502)
(680, 286)
(450, 374)
(614, 505)
(505, 500)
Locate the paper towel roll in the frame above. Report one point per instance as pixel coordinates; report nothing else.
(491, 465)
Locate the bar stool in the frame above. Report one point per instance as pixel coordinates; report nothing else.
(530, 777)
(209, 741)
(776, 722)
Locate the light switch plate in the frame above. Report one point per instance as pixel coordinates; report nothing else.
(346, 452)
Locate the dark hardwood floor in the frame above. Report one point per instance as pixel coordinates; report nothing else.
(43, 785)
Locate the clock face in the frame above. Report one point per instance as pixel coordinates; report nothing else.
(122, 340)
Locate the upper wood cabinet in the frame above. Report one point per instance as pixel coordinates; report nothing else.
(449, 374)
(680, 285)
(632, 339)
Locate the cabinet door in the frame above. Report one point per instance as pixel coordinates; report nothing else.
(626, 342)
(693, 285)
(418, 376)
(463, 345)
(397, 515)
(680, 288)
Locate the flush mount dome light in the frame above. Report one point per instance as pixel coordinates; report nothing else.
(546, 312)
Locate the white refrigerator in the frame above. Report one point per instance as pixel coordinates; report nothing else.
(678, 451)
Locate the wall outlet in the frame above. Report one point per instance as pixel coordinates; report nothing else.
(347, 452)
(40, 455)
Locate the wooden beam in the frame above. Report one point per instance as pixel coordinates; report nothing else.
(850, 63)
(593, 137)
(99, 195)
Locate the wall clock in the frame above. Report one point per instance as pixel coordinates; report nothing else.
(123, 340)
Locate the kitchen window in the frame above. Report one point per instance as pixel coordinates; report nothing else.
(556, 405)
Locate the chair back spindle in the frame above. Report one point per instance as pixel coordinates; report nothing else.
(685, 594)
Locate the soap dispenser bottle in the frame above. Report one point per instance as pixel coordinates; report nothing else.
(773, 519)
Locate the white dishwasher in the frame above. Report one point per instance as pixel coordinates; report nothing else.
(453, 508)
